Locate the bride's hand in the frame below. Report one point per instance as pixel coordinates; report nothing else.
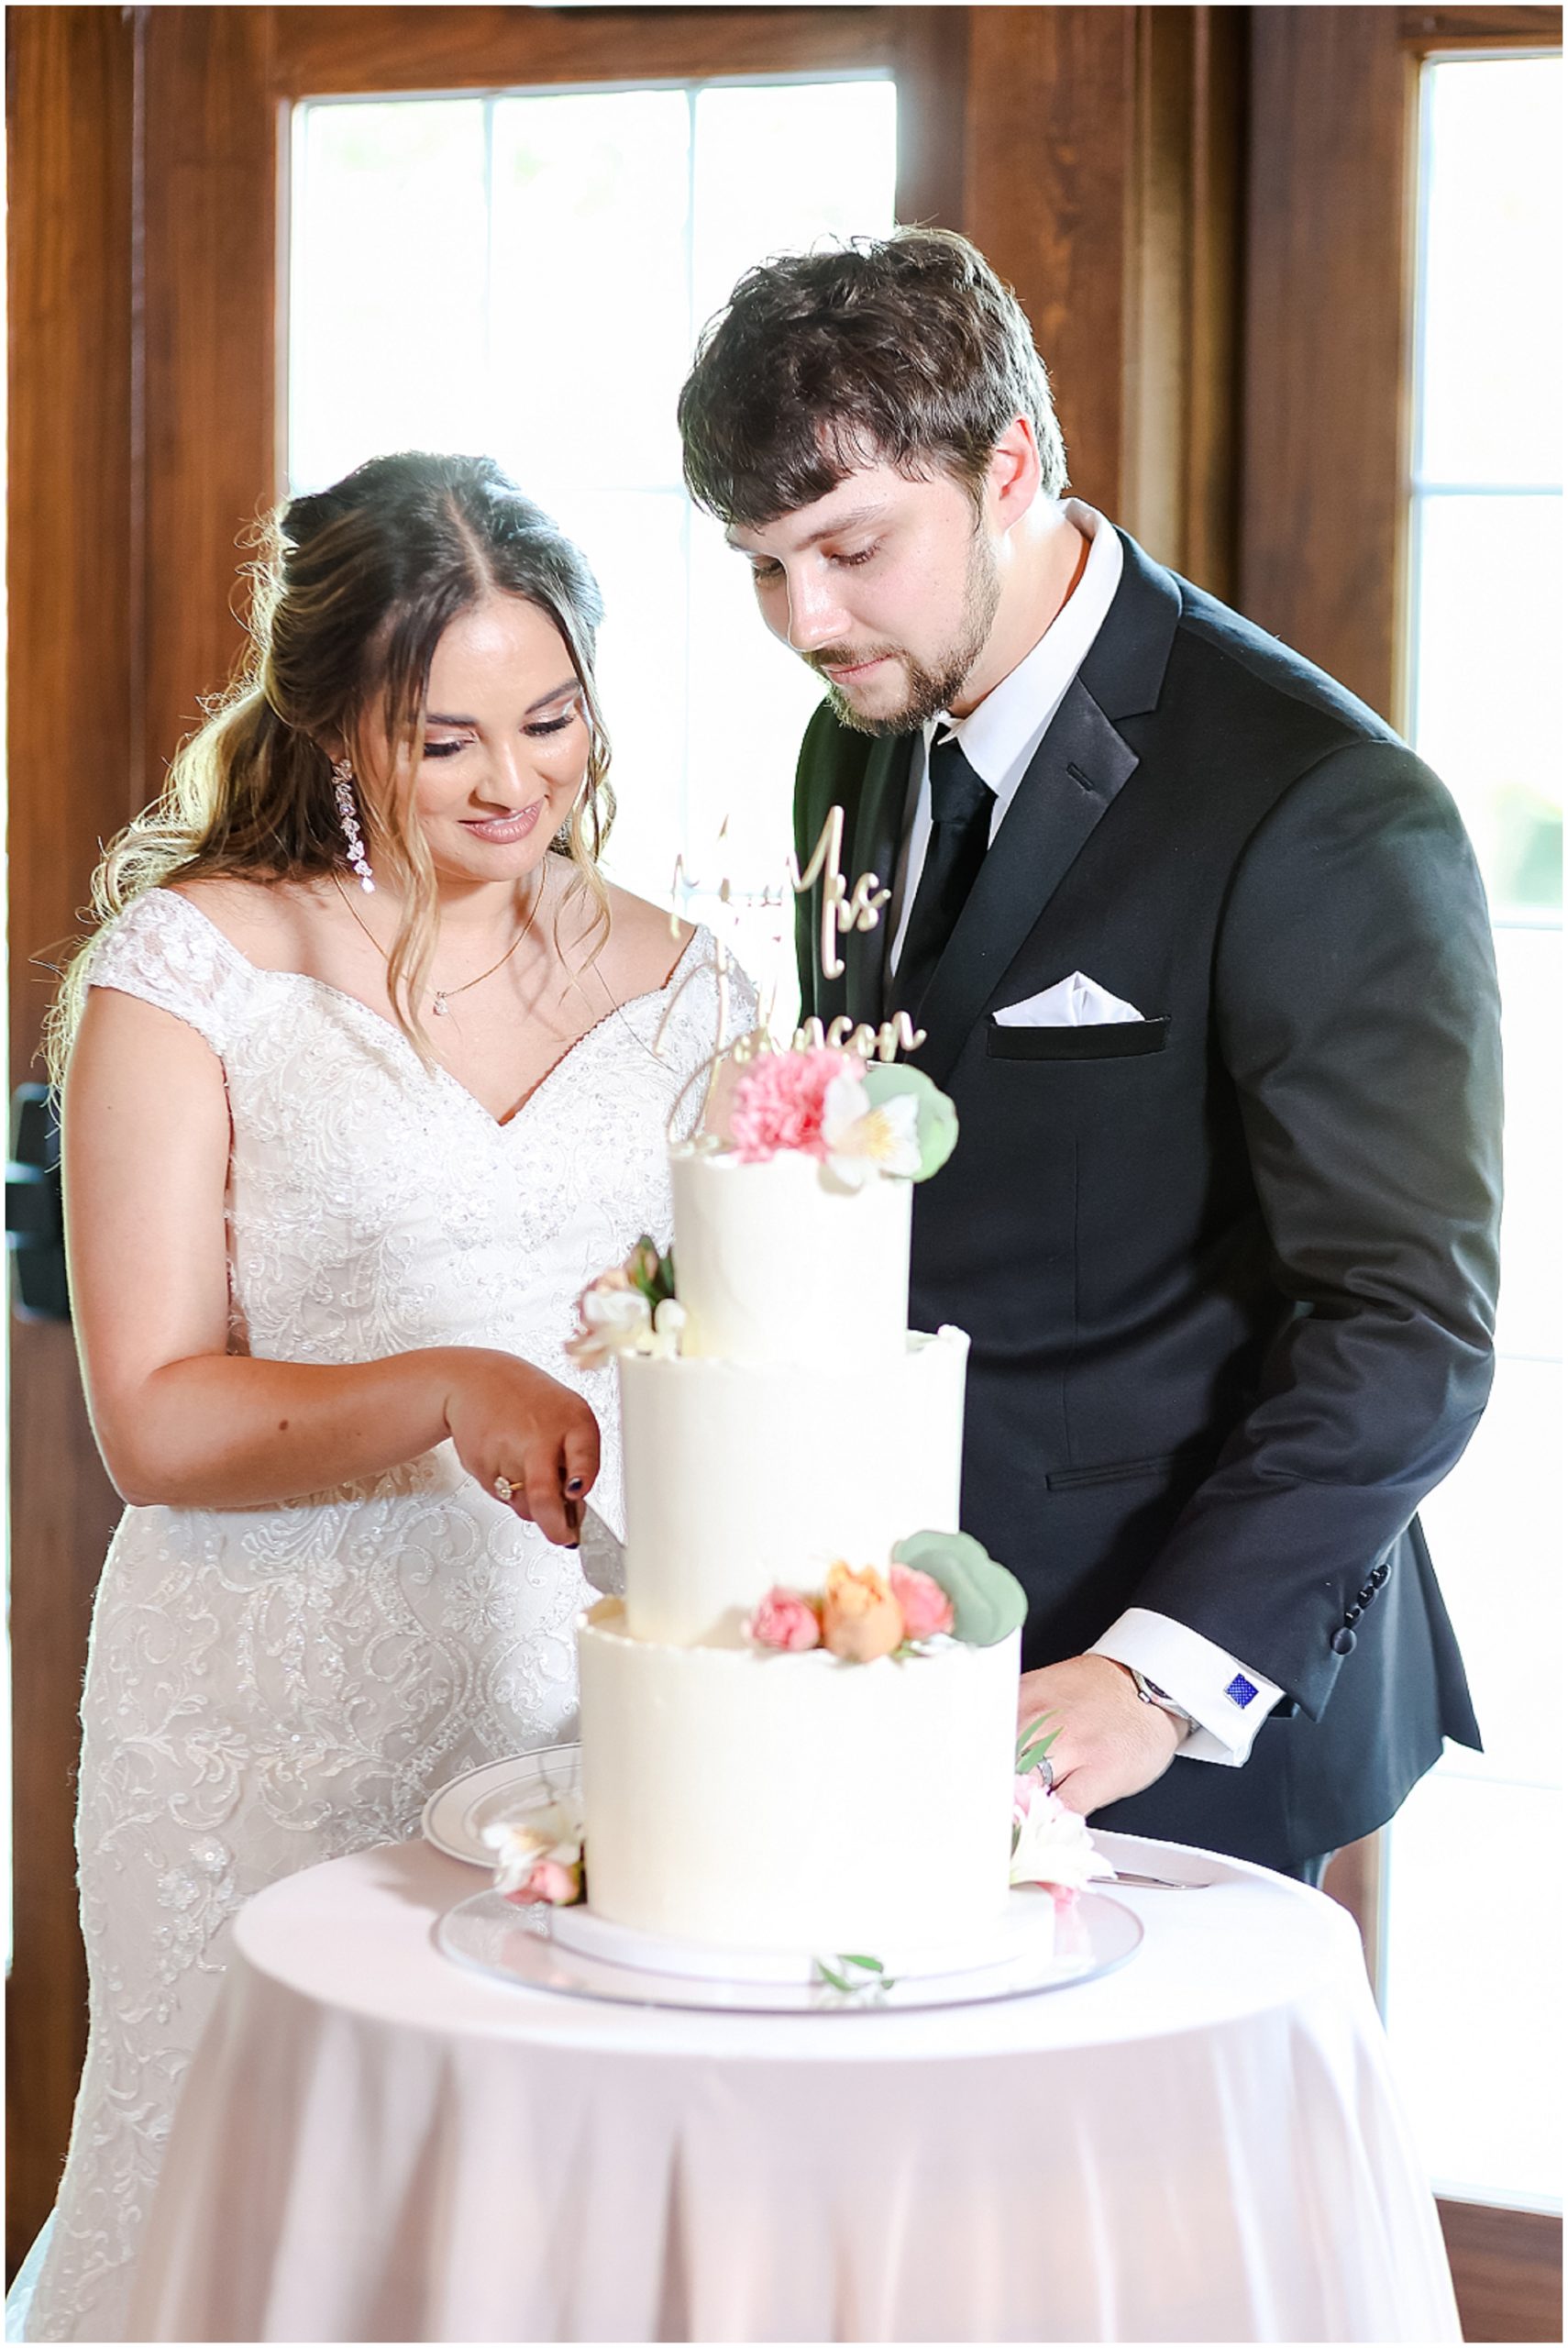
(511, 1421)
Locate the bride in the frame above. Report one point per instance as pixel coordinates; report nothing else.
(367, 1071)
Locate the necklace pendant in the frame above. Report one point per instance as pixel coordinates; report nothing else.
(438, 1006)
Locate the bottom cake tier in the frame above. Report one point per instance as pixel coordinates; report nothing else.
(761, 1800)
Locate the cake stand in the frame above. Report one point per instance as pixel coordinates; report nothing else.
(573, 1954)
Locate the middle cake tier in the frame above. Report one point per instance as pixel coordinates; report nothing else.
(743, 1475)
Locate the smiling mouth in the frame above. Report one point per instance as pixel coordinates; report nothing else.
(503, 830)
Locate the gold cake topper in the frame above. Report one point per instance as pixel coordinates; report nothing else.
(846, 906)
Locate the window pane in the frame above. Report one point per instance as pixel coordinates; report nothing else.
(1491, 378)
(387, 282)
(778, 167)
(1489, 710)
(1473, 1919)
(589, 296)
(1475, 1993)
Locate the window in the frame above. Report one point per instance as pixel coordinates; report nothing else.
(1472, 1923)
(524, 276)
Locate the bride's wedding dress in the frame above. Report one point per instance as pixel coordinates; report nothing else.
(271, 1687)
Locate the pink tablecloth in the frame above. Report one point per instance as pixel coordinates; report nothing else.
(374, 2144)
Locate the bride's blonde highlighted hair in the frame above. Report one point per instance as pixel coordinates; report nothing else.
(352, 590)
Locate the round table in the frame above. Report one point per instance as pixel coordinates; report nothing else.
(376, 2144)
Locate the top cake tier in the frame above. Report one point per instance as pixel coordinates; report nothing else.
(779, 1263)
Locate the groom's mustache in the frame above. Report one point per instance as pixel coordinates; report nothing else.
(850, 656)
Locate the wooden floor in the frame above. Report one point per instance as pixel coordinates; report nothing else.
(1507, 2271)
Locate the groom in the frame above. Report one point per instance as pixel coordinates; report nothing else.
(1202, 953)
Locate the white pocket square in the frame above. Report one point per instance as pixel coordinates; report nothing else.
(1077, 1001)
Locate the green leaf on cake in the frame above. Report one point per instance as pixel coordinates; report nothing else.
(936, 1120)
(871, 1966)
(988, 1601)
(651, 1271)
(1033, 1749)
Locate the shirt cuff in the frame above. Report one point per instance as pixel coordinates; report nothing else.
(1227, 1698)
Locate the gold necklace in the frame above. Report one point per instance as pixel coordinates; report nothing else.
(441, 996)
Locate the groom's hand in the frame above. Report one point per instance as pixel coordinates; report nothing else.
(1110, 1742)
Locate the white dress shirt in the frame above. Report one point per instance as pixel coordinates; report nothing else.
(1226, 1698)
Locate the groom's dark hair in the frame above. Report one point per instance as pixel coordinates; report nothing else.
(906, 351)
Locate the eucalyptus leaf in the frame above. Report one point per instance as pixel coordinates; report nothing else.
(1033, 1749)
(870, 1964)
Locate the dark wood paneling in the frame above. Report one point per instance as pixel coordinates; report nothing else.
(1326, 373)
(1435, 28)
(70, 83)
(1507, 2271)
(932, 63)
(1183, 299)
(211, 354)
(1050, 124)
(325, 50)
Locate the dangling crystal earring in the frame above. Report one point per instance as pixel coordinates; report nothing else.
(348, 816)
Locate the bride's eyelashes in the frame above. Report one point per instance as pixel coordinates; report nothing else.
(535, 732)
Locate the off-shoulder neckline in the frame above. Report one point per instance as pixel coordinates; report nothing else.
(682, 970)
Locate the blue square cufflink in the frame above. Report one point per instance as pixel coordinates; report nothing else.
(1241, 1691)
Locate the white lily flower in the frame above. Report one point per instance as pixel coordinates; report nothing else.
(553, 1832)
(1055, 1846)
(862, 1140)
(614, 1320)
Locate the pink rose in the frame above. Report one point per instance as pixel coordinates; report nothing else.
(924, 1604)
(550, 1882)
(778, 1103)
(785, 1620)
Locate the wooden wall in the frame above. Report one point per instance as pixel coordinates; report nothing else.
(75, 657)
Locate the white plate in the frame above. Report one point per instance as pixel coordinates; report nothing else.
(456, 1815)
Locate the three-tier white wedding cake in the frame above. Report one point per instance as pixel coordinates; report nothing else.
(798, 1724)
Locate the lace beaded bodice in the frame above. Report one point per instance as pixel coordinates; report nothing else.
(271, 1687)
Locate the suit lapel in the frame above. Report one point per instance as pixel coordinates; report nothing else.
(872, 835)
(1074, 776)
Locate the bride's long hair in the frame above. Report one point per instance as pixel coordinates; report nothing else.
(351, 590)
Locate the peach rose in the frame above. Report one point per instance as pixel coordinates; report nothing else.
(924, 1604)
(861, 1618)
(786, 1619)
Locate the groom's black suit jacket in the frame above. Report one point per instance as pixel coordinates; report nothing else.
(1229, 1272)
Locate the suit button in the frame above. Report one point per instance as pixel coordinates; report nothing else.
(1343, 1640)
(1366, 1594)
(1379, 1576)
(1353, 1614)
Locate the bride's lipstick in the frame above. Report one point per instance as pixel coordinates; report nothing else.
(505, 831)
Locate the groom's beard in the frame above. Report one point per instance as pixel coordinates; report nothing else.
(929, 690)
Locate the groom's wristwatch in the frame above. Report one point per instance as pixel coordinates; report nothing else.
(1148, 1693)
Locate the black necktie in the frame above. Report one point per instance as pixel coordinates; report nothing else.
(961, 810)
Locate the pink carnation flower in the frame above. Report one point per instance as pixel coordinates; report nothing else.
(778, 1103)
(785, 1620)
(923, 1603)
